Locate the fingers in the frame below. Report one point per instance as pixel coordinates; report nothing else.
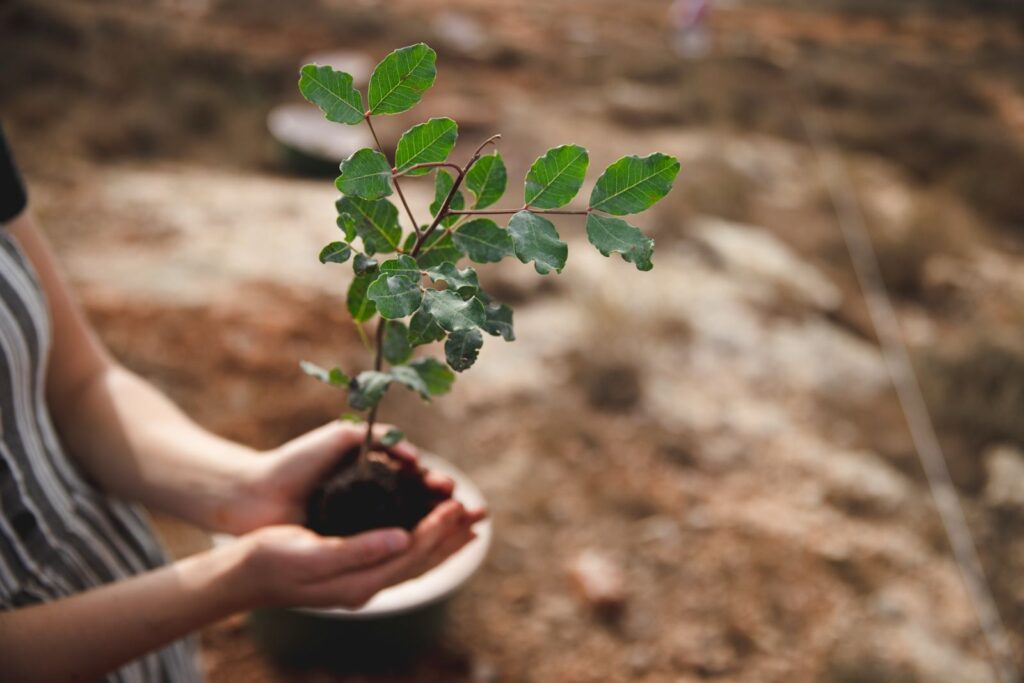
(476, 515)
(445, 531)
(439, 483)
(449, 546)
(354, 589)
(363, 550)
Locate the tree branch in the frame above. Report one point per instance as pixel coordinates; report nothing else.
(509, 212)
(378, 364)
(398, 188)
(431, 164)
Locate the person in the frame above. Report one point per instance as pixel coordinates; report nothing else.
(690, 19)
(85, 590)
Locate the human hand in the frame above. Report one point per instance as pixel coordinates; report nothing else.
(278, 482)
(291, 565)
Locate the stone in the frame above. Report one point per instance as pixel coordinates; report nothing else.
(599, 580)
(860, 482)
(303, 128)
(1004, 466)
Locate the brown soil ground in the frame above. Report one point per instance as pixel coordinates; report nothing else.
(721, 428)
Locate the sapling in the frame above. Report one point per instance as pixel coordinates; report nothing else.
(408, 277)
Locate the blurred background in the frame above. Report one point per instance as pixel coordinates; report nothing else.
(720, 433)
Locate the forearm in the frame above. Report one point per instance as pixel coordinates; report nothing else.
(85, 636)
(138, 445)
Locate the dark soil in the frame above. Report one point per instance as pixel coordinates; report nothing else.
(376, 492)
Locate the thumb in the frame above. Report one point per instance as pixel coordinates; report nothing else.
(364, 550)
(315, 452)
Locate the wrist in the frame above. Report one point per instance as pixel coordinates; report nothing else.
(243, 493)
(220, 576)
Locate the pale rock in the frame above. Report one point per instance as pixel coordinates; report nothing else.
(907, 652)
(356, 64)
(302, 127)
(756, 253)
(1005, 468)
(861, 482)
(599, 580)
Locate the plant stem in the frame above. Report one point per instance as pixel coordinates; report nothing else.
(444, 210)
(378, 364)
(421, 237)
(398, 188)
(429, 164)
(508, 212)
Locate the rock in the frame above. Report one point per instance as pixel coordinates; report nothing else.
(356, 64)
(862, 483)
(908, 652)
(303, 128)
(753, 252)
(639, 661)
(612, 386)
(599, 581)
(463, 34)
(484, 671)
(641, 105)
(1004, 466)
(705, 649)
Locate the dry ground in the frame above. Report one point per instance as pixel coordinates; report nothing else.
(721, 427)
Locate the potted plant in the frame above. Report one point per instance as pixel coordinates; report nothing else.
(407, 274)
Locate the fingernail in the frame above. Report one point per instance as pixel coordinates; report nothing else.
(396, 541)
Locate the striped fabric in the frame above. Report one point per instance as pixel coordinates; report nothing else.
(58, 534)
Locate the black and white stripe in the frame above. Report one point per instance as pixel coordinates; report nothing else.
(59, 535)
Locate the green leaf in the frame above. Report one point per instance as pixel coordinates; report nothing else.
(405, 375)
(332, 91)
(351, 417)
(363, 264)
(426, 143)
(439, 248)
(633, 184)
(443, 184)
(451, 312)
(423, 329)
(499, 321)
(462, 348)
(487, 179)
(534, 238)
(367, 389)
(334, 376)
(366, 174)
(376, 223)
(614, 234)
(465, 281)
(396, 296)
(398, 82)
(555, 178)
(359, 306)
(347, 225)
(483, 241)
(402, 265)
(437, 376)
(335, 252)
(396, 346)
(391, 437)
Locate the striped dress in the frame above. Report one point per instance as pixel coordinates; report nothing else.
(59, 535)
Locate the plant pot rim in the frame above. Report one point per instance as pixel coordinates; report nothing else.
(440, 582)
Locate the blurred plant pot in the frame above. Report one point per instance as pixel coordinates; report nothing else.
(310, 144)
(395, 626)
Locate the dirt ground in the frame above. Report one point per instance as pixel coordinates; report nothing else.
(721, 428)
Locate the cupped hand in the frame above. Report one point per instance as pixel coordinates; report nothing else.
(278, 482)
(290, 565)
